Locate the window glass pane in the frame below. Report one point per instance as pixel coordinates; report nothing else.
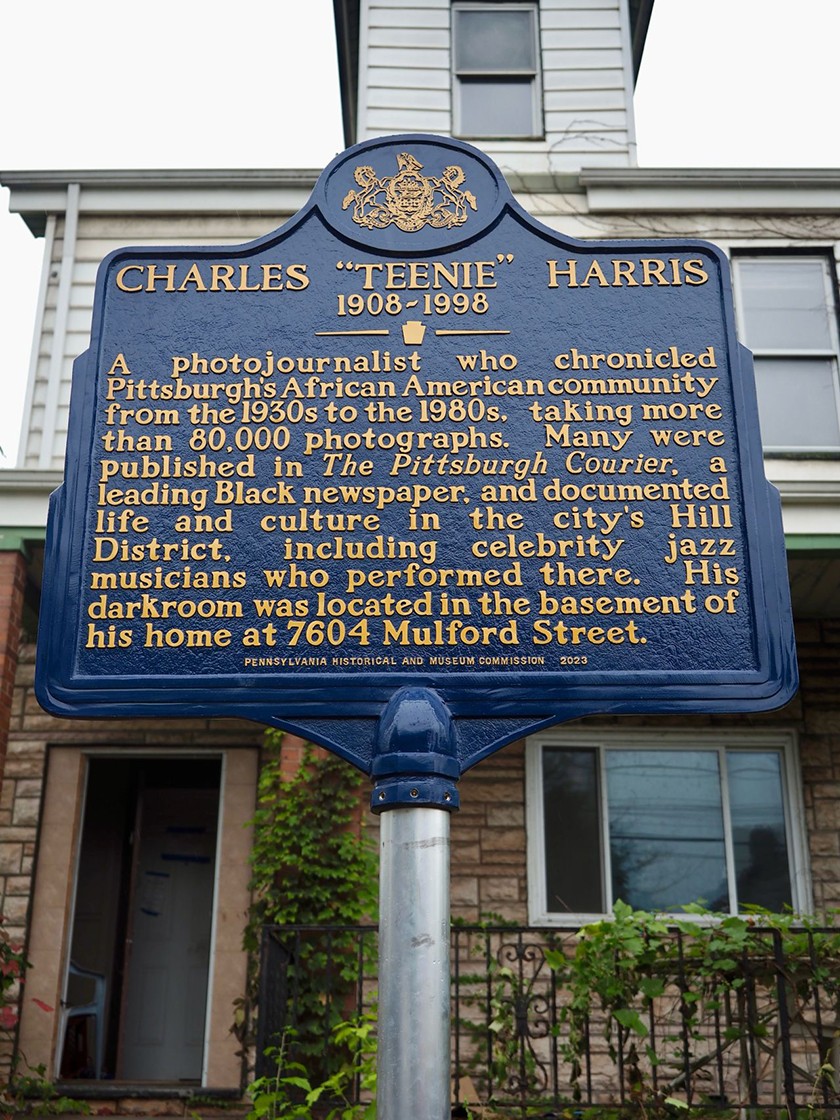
(783, 304)
(796, 402)
(666, 828)
(756, 806)
(494, 40)
(572, 831)
(496, 108)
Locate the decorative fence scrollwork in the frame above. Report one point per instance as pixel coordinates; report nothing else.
(760, 1035)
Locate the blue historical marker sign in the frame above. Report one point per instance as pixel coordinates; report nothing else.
(416, 440)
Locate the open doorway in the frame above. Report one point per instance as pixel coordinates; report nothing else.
(136, 996)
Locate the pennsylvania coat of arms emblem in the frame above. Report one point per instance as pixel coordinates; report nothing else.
(409, 200)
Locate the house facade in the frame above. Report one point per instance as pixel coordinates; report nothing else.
(657, 811)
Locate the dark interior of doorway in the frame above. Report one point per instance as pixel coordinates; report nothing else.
(124, 796)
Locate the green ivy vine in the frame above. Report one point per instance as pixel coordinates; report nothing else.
(626, 969)
(311, 864)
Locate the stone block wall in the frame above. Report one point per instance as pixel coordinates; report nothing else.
(12, 583)
(488, 840)
(489, 875)
(818, 644)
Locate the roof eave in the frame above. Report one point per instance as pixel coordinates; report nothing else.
(37, 194)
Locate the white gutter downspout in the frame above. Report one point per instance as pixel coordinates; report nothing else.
(62, 310)
(35, 350)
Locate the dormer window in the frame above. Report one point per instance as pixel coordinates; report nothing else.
(496, 72)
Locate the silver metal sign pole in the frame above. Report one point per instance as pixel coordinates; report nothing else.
(413, 1056)
(415, 770)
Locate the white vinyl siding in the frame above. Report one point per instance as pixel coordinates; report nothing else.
(47, 410)
(406, 80)
(410, 38)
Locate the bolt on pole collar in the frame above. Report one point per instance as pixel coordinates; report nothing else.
(416, 759)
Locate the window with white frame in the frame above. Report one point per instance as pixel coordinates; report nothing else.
(661, 820)
(787, 316)
(496, 71)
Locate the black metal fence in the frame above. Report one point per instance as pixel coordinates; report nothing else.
(766, 1040)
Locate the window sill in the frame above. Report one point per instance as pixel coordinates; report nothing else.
(801, 453)
(510, 140)
(79, 1089)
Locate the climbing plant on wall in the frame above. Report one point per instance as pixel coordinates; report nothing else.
(312, 864)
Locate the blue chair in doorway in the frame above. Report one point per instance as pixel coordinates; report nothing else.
(95, 1008)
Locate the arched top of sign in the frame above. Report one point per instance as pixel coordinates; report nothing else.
(410, 195)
